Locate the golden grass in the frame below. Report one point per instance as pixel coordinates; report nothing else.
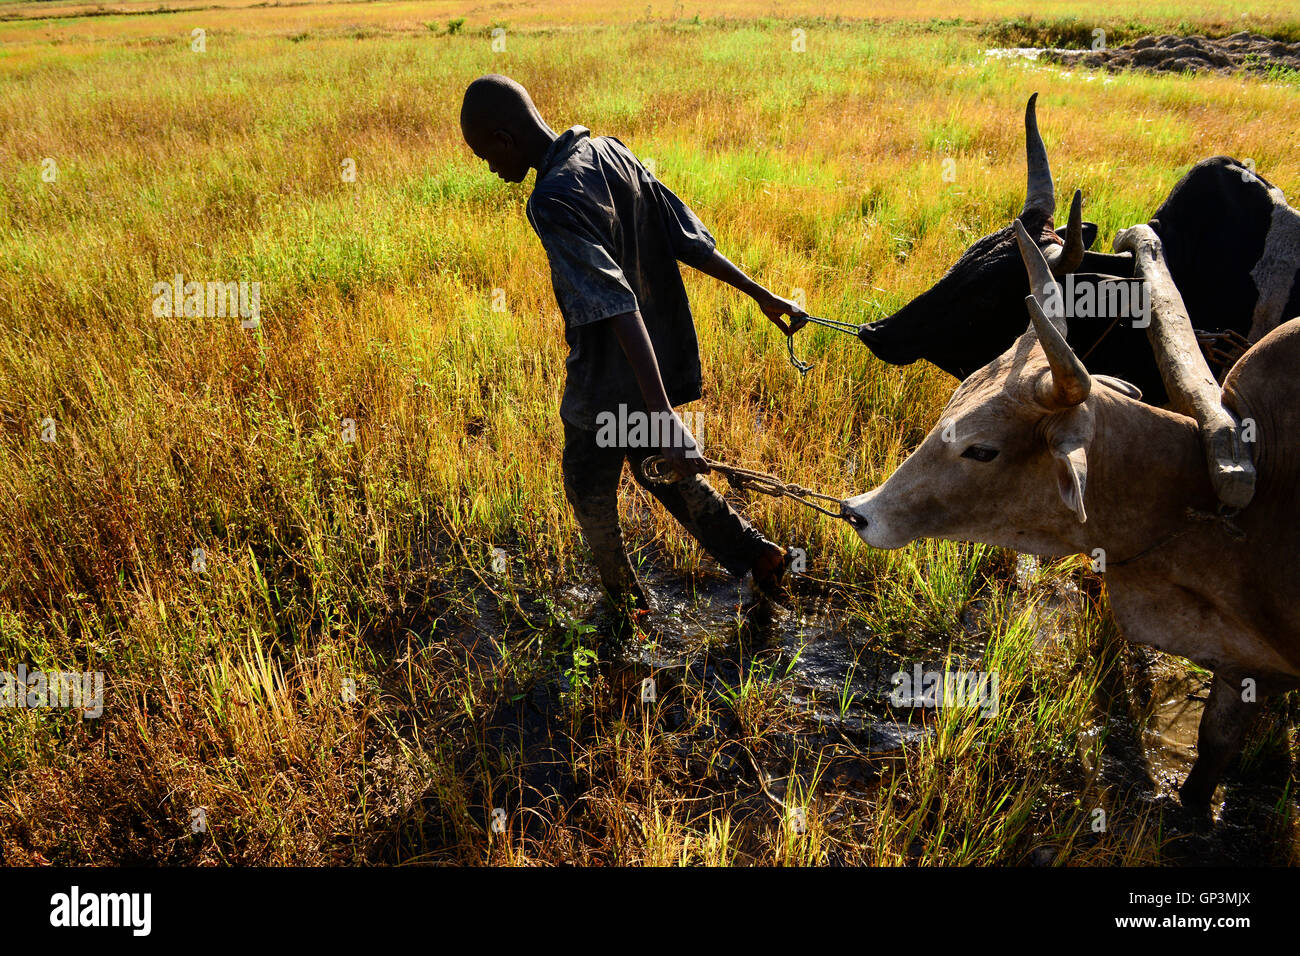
(331, 562)
(78, 26)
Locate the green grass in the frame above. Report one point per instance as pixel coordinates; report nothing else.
(333, 565)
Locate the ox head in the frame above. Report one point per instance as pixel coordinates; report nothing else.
(974, 312)
(1008, 462)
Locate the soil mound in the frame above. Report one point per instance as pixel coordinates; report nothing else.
(1194, 54)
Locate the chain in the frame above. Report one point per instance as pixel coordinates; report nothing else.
(656, 470)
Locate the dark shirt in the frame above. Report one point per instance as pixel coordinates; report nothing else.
(613, 235)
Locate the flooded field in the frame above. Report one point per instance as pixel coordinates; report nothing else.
(839, 728)
(323, 559)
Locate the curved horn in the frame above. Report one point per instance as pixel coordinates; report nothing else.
(1041, 194)
(1041, 281)
(1070, 382)
(1069, 257)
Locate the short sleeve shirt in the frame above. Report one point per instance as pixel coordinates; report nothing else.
(613, 236)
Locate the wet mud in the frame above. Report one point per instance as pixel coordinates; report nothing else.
(834, 676)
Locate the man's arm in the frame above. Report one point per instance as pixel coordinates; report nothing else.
(694, 245)
(631, 333)
(773, 306)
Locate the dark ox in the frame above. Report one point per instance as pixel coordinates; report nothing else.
(1036, 453)
(1231, 242)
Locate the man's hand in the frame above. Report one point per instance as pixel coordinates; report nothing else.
(774, 307)
(679, 447)
(682, 452)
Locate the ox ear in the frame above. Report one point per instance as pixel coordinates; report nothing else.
(1089, 234)
(1119, 385)
(1071, 465)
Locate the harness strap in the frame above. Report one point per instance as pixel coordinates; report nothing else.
(1223, 516)
(656, 470)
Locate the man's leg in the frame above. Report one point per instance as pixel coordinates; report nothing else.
(591, 477)
(734, 543)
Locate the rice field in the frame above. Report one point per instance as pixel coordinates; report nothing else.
(324, 561)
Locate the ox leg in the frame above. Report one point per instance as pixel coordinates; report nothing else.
(1223, 728)
(1192, 388)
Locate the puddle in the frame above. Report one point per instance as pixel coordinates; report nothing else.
(1151, 733)
(1021, 52)
(836, 670)
(1169, 739)
(834, 677)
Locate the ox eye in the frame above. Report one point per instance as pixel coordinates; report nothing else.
(980, 453)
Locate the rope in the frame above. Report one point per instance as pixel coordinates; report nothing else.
(1223, 517)
(805, 367)
(1221, 349)
(1113, 322)
(656, 470)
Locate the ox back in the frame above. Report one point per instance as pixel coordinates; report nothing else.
(1229, 242)
(1244, 620)
(1232, 246)
(1223, 229)
(1263, 388)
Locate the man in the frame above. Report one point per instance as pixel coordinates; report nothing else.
(613, 235)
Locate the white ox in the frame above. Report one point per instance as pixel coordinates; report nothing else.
(1035, 454)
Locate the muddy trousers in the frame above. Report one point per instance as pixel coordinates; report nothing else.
(591, 479)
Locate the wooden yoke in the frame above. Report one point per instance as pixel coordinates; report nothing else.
(1192, 388)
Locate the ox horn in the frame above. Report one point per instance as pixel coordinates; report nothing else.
(1069, 257)
(1041, 280)
(1041, 194)
(1070, 382)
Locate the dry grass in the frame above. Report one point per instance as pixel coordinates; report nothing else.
(330, 562)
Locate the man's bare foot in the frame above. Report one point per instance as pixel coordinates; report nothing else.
(630, 599)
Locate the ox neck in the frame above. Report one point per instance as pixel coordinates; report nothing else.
(1145, 470)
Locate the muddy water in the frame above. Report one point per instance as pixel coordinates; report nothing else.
(835, 676)
(1172, 693)
(1020, 52)
(1149, 746)
(1169, 739)
(835, 671)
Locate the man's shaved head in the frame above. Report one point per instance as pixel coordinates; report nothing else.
(502, 125)
(496, 101)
